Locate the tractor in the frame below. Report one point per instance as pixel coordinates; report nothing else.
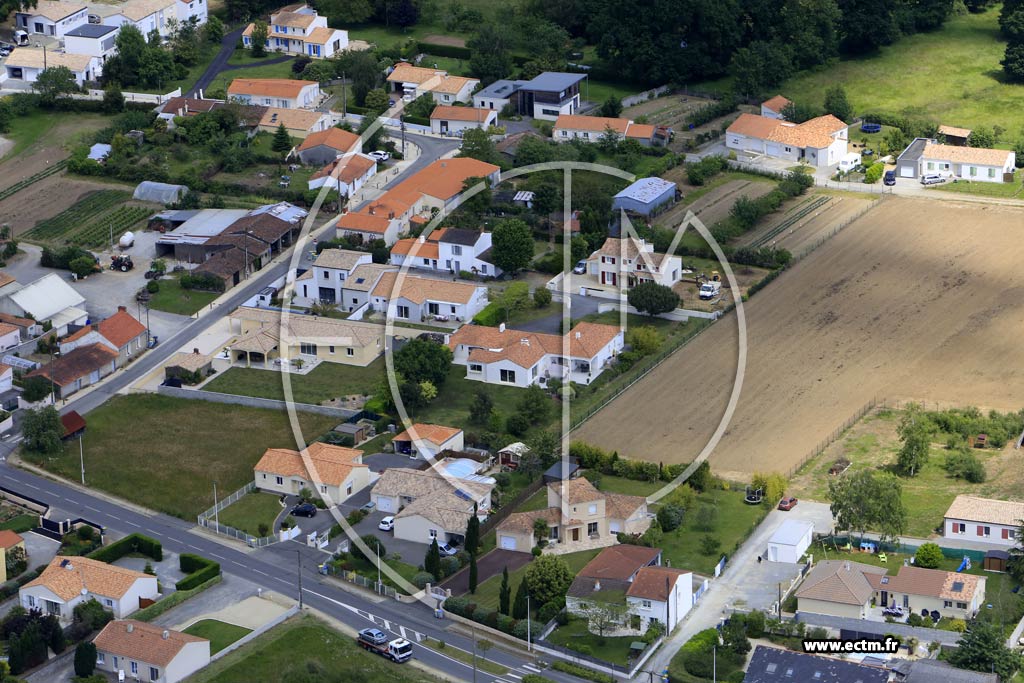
(122, 262)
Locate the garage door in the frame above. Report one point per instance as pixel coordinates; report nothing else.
(508, 542)
(614, 527)
(384, 504)
(906, 171)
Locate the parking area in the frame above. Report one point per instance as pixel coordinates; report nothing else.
(167, 570)
(40, 549)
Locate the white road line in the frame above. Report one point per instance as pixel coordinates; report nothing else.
(278, 578)
(219, 557)
(512, 675)
(401, 632)
(238, 563)
(133, 524)
(530, 667)
(115, 517)
(90, 507)
(259, 572)
(419, 636)
(32, 486)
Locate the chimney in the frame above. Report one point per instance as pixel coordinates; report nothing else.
(166, 634)
(371, 210)
(501, 327)
(129, 627)
(195, 350)
(122, 309)
(391, 215)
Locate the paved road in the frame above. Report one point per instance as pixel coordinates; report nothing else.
(227, 48)
(277, 568)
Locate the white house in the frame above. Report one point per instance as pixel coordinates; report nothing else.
(418, 252)
(450, 120)
(10, 336)
(68, 581)
(428, 441)
(337, 473)
(300, 31)
(325, 146)
(497, 355)
(186, 9)
(969, 163)
(591, 128)
(660, 595)
(95, 40)
(26, 63)
(145, 15)
(427, 505)
(328, 274)
(285, 93)
(48, 299)
(451, 250)
(630, 261)
(370, 226)
(497, 95)
(142, 651)
(820, 142)
(441, 184)
(984, 520)
(345, 175)
(418, 299)
(50, 18)
(361, 283)
(413, 81)
(773, 107)
(790, 541)
(121, 333)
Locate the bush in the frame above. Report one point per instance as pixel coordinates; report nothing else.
(709, 545)
(963, 464)
(421, 579)
(536, 678)
(490, 316)
(874, 173)
(506, 623)
(520, 630)
(549, 611)
(152, 287)
(583, 672)
(457, 605)
(542, 297)
(133, 543)
(928, 556)
(670, 516)
(915, 619)
(199, 570)
(85, 659)
(449, 565)
(700, 172)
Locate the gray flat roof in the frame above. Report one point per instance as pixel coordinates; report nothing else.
(91, 31)
(646, 190)
(791, 531)
(503, 89)
(553, 81)
(201, 227)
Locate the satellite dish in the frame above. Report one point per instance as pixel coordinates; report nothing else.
(84, 591)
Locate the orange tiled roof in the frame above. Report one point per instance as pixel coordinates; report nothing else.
(426, 249)
(68, 581)
(270, 87)
(335, 138)
(777, 103)
(352, 168)
(444, 178)
(143, 642)
(332, 464)
(120, 328)
(363, 222)
(445, 113)
(9, 539)
(640, 131)
(619, 562)
(435, 434)
(420, 289)
(654, 583)
(407, 73)
(596, 124)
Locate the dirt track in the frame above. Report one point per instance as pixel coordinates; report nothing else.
(916, 299)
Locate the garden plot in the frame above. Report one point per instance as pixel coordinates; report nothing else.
(912, 301)
(806, 221)
(96, 220)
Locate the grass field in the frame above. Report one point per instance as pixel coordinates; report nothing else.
(873, 443)
(950, 76)
(96, 220)
(219, 633)
(172, 298)
(467, 657)
(576, 636)
(157, 468)
(224, 78)
(247, 513)
(487, 592)
(327, 380)
(38, 125)
(1013, 189)
(302, 647)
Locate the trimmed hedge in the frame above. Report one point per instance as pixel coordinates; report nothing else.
(438, 50)
(174, 599)
(133, 543)
(490, 316)
(416, 120)
(583, 672)
(199, 569)
(536, 678)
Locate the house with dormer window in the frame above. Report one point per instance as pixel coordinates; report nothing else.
(300, 30)
(629, 261)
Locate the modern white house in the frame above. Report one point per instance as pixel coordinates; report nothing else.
(299, 30)
(409, 298)
(413, 81)
(426, 441)
(452, 250)
(68, 581)
(772, 108)
(629, 261)
(285, 93)
(95, 40)
(145, 15)
(983, 520)
(591, 128)
(329, 273)
(361, 283)
(186, 9)
(790, 541)
(820, 142)
(337, 473)
(345, 175)
(427, 505)
(26, 63)
(976, 164)
(497, 355)
(10, 336)
(49, 18)
(140, 651)
(451, 120)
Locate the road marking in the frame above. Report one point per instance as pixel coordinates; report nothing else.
(219, 557)
(238, 563)
(512, 675)
(90, 507)
(278, 578)
(32, 486)
(115, 517)
(530, 667)
(259, 572)
(133, 524)
(401, 632)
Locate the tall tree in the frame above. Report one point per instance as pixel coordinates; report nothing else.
(504, 593)
(54, 83)
(612, 107)
(472, 542)
(259, 37)
(512, 245)
(547, 578)
(519, 606)
(652, 298)
(42, 430)
(213, 31)
(282, 142)
(472, 574)
(477, 144)
(481, 408)
(915, 434)
(867, 499)
(1015, 567)
(489, 59)
(837, 104)
(354, 11)
(422, 360)
(432, 560)
(867, 25)
(983, 648)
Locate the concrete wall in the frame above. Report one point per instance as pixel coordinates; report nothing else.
(198, 394)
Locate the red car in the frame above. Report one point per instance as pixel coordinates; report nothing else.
(787, 503)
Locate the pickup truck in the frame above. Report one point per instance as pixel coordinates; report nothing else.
(374, 640)
(709, 290)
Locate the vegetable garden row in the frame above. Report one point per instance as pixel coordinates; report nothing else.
(92, 221)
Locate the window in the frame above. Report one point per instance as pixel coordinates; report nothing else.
(433, 533)
(476, 367)
(402, 311)
(592, 529)
(456, 250)
(508, 376)
(991, 173)
(331, 349)
(586, 135)
(553, 533)
(947, 603)
(135, 668)
(447, 98)
(592, 509)
(348, 489)
(108, 602)
(350, 352)
(646, 604)
(154, 673)
(931, 166)
(31, 601)
(984, 530)
(323, 488)
(974, 171)
(433, 308)
(101, 658)
(565, 133)
(1006, 534)
(961, 605)
(307, 349)
(550, 112)
(959, 528)
(279, 481)
(789, 149)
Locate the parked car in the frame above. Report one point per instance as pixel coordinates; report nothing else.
(369, 507)
(931, 179)
(446, 549)
(379, 155)
(387, 524)
(890, 178)
(373, 635)
(304, 510)
(580, 268)
(787, 503)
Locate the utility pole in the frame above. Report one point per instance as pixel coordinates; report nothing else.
(344, 95)
(529, 638)
(403, 138)
(298, 554)
(378, 567)
(216, 512)
(81, 455)
(474, 653)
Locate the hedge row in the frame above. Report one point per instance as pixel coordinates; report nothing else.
(11, 588)
(438, 50)
(199, 570)
(463, 607)
(583, 672)
(133, 543)
(491, 315)
(173, 600)
(416, 120)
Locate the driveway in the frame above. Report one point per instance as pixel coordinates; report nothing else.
(40, 549)
(487, 566)
(232, 590)
(579, 306)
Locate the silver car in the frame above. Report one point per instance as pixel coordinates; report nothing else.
(931, 179)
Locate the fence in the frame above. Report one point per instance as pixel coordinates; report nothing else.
(343, 414)
(378, 587)
(391, 123)
(252, 635)
(835, 231)
(508, 507)
(836, 433)
(208, 520)
(640, 98)
(595, 663)
(152, 98)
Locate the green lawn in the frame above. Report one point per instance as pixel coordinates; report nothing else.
(303, 647)
(451, 407)
(537, 501)
(327, 380)
(599, 91)
(1013, 189)
(487, 592)
(165, 453)
(38, 126)
(248, 512)
(949, 76)
(219, 633)
(575, 636)
(734, 520)
(186, 83)
(630, 487)
(172, 298)
(224, 78)
(21, 523)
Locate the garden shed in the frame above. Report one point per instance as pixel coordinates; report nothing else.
(996, 560)
(790, 541)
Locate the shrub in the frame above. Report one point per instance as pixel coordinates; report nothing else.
(915, 619)
(520, 630)
(506, 623)
(928, 556)
(670, 516)
(542, 297)
(85, 659)
(480, 614)
(421, 579)
(449, 565)
(548, 611)
(874, 173)
(198, 571)
(958, 625)
(152, 286)
(490, 316)
(457, 605)
(133, 543)
(709, 545)
(583, 672)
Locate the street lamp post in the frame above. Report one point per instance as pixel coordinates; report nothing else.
(474, 653)
(81, 455)
(298, 554)
(216, 511)
(529, 636)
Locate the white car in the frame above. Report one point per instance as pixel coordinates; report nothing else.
(379, 156)
(387, 524)
(580, 268)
